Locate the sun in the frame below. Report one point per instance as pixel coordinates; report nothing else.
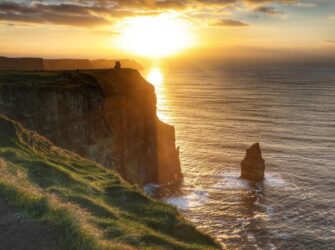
(155, 36)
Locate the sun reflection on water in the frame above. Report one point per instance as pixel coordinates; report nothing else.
(156, 77)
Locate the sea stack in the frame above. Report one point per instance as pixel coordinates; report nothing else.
(252, 166)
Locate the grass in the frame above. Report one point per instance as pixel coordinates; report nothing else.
(89, 206)
(45, 79)
(29, 78)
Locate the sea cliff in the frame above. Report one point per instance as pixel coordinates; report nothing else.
(51, 198)
(27, 63)
(108, 116)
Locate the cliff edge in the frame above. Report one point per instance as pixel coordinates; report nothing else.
(54, 199)
(27, 63)
(108, 116)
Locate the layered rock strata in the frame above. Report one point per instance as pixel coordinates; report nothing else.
(26, 63)
(108, 116)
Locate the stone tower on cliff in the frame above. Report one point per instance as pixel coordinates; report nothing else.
(117, 65)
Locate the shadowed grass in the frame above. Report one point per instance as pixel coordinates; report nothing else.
(90, 206)
(70, 233)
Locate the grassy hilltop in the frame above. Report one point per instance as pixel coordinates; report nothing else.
(84, 205)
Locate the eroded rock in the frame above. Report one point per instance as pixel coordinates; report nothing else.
(108, 116)
(253, 165)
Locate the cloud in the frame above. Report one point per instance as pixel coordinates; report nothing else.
(305, 5)
(180, 3)
(270, 1)
(64, 14)
(87, 13)
(330, 41)
(230, 23)
(267, 10)
(106, 33)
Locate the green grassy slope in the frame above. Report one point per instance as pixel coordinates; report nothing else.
(89, 206)
(30, 78)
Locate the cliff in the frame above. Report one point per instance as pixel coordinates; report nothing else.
(108, 116)
(108, 64)
(27, 63)
(21, 63)
(66, 64)
(54, 199)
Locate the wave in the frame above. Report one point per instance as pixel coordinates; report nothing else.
(195, 199)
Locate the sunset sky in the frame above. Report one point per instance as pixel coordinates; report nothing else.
(149, 28)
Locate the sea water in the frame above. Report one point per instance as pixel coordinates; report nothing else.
(219, 112)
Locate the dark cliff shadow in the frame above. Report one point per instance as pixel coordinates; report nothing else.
(164, 191)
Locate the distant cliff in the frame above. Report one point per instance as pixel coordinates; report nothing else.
(66, 64)
(107, 64)
(28, 63)
(108, 116)
(21, 63)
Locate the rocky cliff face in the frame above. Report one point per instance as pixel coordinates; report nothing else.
(21, 63)
(66, 64)
(27, 63)
(108, 116)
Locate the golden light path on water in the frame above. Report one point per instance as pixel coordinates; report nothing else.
(156, 77)
(218, 114)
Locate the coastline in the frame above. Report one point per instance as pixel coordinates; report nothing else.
(12, 91)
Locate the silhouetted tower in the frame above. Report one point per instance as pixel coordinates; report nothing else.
(117, 65)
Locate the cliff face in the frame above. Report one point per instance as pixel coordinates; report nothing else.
(59, 200)
(66, 64)
(21, 63)
(27, 63)
(108, 116)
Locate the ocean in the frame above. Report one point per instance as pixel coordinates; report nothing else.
(220, 111)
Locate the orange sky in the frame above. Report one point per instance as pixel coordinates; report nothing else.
(206, 28)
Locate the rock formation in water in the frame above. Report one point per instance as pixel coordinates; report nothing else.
(252, 166)
(108, 116)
